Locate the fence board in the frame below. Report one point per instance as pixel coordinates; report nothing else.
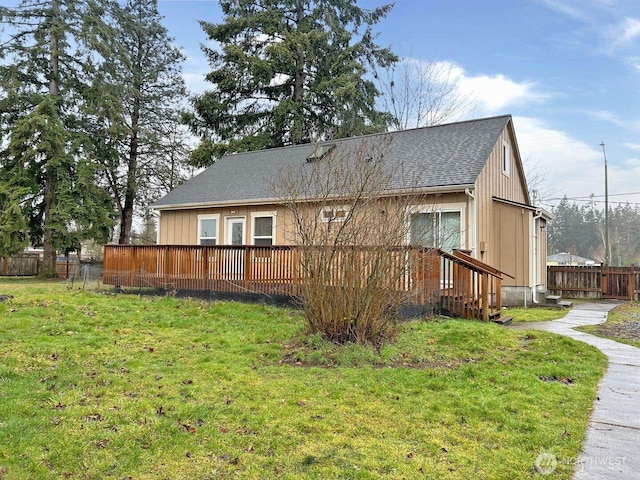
(594, 282)
(19, 265)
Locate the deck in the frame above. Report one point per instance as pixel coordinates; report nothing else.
(454, 284)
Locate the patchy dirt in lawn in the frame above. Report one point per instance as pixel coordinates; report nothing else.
(301, 355)
(626, 330)
(623, 324)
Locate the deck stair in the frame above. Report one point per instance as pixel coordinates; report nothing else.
(471, 288)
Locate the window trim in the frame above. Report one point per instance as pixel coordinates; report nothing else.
(228, 232)
(440, 209)
(255, 215)
(209, 216)
(333, 218)
(506, 159)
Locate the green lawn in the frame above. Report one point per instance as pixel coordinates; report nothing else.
(622, 325)
(534, 314)
(101, 386)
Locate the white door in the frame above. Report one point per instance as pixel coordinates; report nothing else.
(235, 231)
(234, 260)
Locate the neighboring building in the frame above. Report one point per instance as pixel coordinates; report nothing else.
(470, 171)
(570, 260)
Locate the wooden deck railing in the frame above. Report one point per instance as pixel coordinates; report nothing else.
(470, 288)
(466, 287)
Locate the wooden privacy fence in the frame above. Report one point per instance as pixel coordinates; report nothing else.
(470, 288)
(594, 282)
(19, 265)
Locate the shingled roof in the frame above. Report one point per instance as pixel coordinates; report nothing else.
(438, 156)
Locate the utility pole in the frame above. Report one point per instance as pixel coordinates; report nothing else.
(607, 252)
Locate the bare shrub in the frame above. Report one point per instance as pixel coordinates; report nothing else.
(350, 220)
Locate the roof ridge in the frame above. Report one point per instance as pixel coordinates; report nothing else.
(459, 122)
(371, 135)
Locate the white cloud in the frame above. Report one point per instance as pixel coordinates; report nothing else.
(196, 82)
(605, 116)
(194, 70)
(492, 93)
(568, 8)
(632, 146)
(571, 166)
(496, 93)
(279, 79)
(626, 32)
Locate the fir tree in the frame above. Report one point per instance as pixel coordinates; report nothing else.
(289, 72)
(46, 152)
(136, 102)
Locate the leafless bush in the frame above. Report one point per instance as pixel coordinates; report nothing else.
(350, 220)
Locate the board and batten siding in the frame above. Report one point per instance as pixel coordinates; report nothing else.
(180, 227)
(497, 227)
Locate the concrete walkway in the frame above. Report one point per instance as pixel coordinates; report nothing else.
(611, 449)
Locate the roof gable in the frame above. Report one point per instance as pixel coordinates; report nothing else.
(438, 156)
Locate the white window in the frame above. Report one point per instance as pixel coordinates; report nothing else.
(506, 159)
(436, 229)
(263, 229)
(334, 214)
(208, 229)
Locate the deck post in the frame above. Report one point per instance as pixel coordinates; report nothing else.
(485, 297)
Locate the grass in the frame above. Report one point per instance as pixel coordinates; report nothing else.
(622, 325)
(534, 314)
(102, 386)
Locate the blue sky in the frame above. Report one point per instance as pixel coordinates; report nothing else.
(567, 70)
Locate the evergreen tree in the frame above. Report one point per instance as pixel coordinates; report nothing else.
(14, 235)
(625, 240)
(580, 231)
(135, 99)
(46, 153)
(289, 72)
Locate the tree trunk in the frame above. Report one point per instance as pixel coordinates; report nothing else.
(297, 132)
(126, 216)
(49, 255)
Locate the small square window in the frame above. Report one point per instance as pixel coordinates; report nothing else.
(329, 215)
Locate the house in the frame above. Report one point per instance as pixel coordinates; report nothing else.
(470, 171)
(570, 260)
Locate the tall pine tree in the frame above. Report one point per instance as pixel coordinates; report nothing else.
(46, 154)
(136, 98)
(289, 72)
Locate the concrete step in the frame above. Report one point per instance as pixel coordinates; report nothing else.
(565, 304)
(552, 299)
(504, 321)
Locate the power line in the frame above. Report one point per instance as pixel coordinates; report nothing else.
(584, 200)
(589, 197)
